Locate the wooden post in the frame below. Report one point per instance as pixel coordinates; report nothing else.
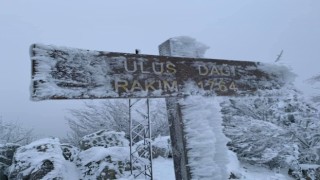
(178, 141)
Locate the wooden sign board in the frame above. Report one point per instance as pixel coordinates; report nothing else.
(69, 73)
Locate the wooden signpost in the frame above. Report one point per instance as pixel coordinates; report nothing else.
(69, 73)
(64, 73)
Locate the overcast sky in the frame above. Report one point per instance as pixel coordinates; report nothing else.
(238, 30)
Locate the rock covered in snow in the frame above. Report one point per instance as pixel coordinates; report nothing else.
(6, 155)
(49, 159)
(69, 152)
(42, 159)
(105, 139)
(105, 163)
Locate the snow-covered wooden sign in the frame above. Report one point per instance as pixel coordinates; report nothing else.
(69, 73)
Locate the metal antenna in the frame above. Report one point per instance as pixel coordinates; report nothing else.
(140, 129)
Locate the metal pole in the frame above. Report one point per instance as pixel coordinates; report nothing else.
(140, 130)
(150, 140)
(130, 129)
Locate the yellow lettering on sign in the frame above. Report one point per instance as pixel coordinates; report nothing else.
(225, 71)
(200, 84)
(203, 70)
(167, 87)
(216, 84)
(222, 86)
(214, 71)
(160, 84)
(134, 66)
(233, 86)
(155, 69)
(211, 83)
(136, 86)
(142, 68)
(149, 85)
(121, 84)
(171, 68)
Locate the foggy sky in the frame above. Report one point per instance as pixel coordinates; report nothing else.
(238, 30)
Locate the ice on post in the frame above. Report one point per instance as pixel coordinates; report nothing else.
(204, 144)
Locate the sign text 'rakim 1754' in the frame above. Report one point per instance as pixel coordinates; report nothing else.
(65, 73)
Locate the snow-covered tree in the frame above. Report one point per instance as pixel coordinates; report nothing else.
(275, 128)
(12, 132)
(113, 115)
(315, 81)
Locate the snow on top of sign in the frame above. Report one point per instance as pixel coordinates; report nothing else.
(206, 143)
(183, 46)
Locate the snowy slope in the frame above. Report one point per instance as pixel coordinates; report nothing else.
(163, 170)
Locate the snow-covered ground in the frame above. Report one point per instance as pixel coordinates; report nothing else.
(163, 170)
(250, 172)
(93, 160)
